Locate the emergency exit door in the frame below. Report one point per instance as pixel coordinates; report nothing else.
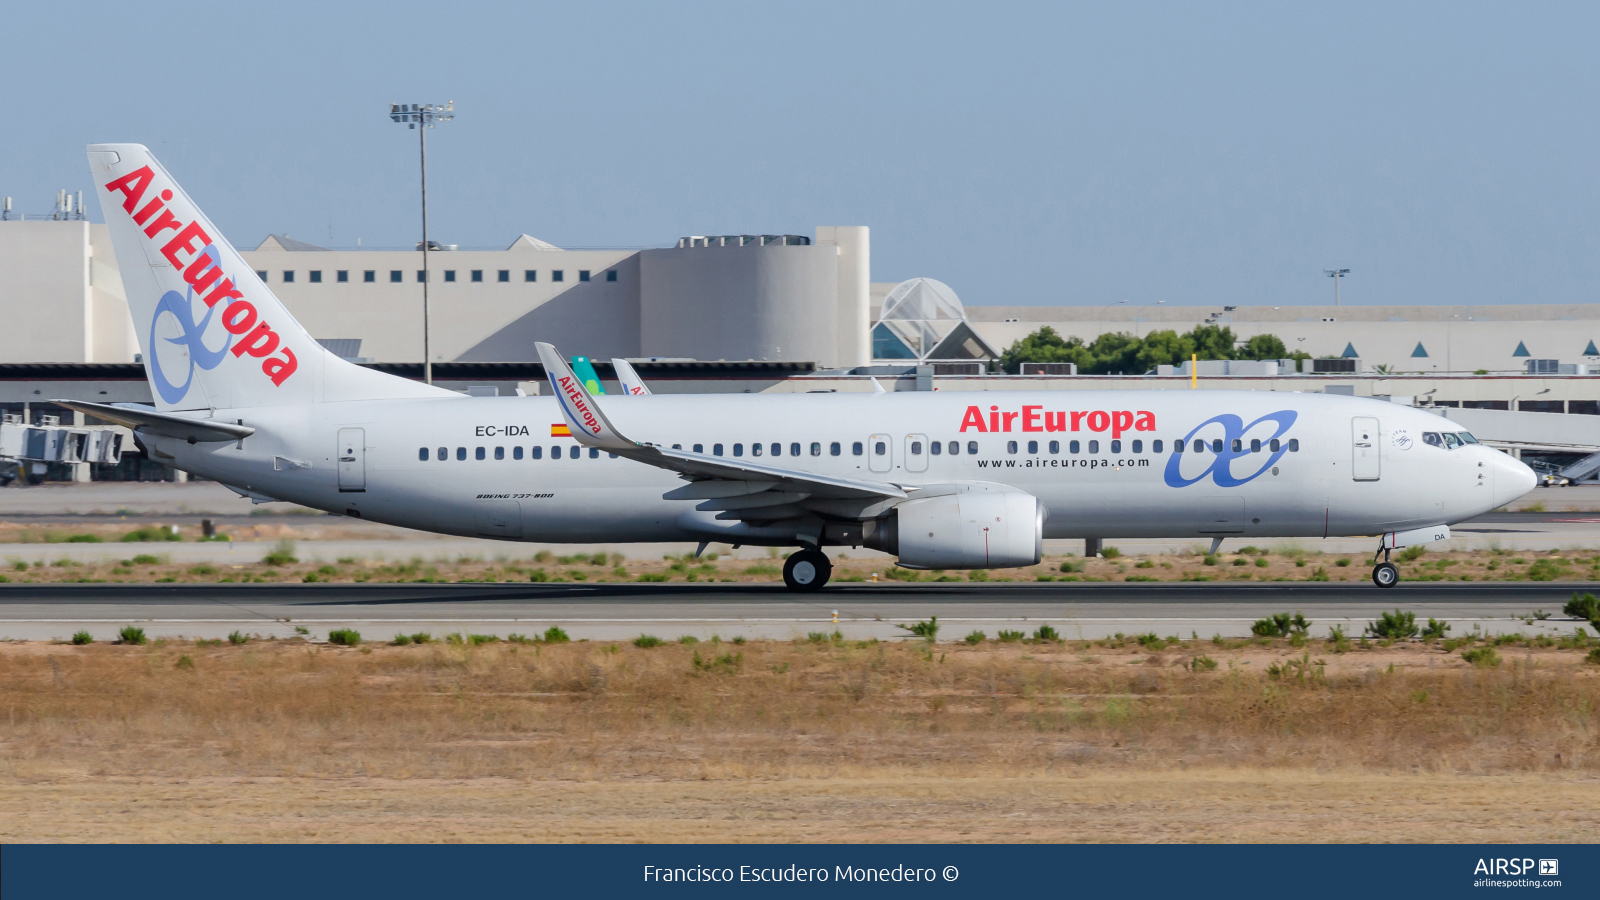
(352, 459)
(1366, 461)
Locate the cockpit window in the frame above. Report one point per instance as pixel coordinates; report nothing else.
(1432, 438)
(1451, 442)
(1467, 438)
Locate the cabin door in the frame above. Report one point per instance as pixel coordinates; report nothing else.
(352, 459)
(1366, 464)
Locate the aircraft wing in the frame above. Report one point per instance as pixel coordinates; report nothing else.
(592, 429)
(631, 383)
(144, 418)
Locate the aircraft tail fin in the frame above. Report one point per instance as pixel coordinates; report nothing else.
(212, 334)
(631, 383)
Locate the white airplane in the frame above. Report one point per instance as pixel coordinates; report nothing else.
(946, 480)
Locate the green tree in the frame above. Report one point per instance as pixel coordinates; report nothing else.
(1263, 346)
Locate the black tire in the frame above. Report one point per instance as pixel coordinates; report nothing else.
(1386, 575)
(807, 570)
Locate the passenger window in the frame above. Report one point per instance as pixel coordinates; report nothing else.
(535, 452)
(794, 449)
(478, 453)
(555, 452)
(955, 448)
(935, 448)
(1094, 446)
(594, 452)
(699, 448)
(1033, 447)
(499, 453)
(716, 449)
(1074, 447)
(1138, 446)
(1177, 447)
(444, 453)
(1432, 439)
(516, 452)
(834, 449)
(1011, 446)
(1238, 445)
(856, 449)
(1294, 445)
(1116, 446)
(1155, 446)
(755, 449)
(677, 446)
(1274, 445)
(1216, 445)
(461, 453)
(1055, 446)
(423, 454)
(916, 448)
(879, 448)
(1255, 445)
(777, 450)
(972, 448)
(738, 449)
(1451, 442)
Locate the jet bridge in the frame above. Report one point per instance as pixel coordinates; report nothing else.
(49, 441)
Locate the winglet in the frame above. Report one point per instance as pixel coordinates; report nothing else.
(584, 418)
(632, 384)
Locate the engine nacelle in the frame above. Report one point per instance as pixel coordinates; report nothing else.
(971, 530)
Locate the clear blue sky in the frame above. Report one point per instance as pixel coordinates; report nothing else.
(1045, 153)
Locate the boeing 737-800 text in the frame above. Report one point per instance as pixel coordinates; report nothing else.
(943, 480)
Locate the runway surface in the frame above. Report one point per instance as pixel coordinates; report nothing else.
(623, 611)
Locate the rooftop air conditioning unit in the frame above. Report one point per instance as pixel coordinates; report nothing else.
(1057, 369)
(1349, 366)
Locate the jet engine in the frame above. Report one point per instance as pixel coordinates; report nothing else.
(970, 530)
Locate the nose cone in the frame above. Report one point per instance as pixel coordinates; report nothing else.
(1512, 479)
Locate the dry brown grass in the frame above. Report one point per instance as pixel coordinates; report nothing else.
(146, 562)
(776, 741)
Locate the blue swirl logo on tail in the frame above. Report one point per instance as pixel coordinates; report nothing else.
(1221, 468)
(181, 308)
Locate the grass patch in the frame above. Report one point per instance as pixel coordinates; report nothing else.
(344, 637)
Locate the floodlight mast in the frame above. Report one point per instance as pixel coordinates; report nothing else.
(427, 115)
(1336, 274)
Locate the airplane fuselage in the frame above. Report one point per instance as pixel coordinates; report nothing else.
(1102, 463)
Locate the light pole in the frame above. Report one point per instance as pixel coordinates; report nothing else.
(427, 115)
(1336, 274)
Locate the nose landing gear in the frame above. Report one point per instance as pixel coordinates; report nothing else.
(1385, 574)
(807, 570)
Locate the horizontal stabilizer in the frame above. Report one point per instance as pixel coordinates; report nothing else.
(144, 418)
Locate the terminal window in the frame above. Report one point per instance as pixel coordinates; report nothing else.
(583, 274)
(558, 275)
(261, 274)
(420, 276)
(395, 276)
(316, 276)
(449, 274)
(611, 275)
(369, 276)
(288, 276)
(341, 276)
(505, 275)
(530, 275)
(477, 275)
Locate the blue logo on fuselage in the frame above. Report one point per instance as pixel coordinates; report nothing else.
(1221, 468)
(181, 308)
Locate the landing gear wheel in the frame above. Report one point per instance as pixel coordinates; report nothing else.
(1386, 575)
(807, 570)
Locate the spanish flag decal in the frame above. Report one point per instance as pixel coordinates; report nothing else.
(560, 430)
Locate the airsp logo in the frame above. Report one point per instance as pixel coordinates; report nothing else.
(1401, 439)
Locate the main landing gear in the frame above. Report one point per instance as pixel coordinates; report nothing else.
(807, 570)
(1385, 574)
